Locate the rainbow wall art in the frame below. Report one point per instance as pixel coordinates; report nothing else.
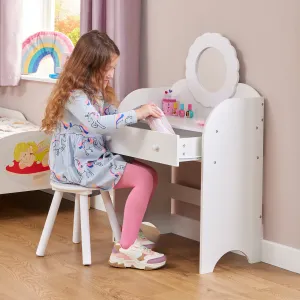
(41, 44)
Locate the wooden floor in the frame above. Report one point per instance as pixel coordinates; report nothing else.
(60, 275)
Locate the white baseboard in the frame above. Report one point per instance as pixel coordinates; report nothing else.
(281, 256)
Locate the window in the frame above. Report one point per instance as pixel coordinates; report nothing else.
(67, 18)
(58, 15)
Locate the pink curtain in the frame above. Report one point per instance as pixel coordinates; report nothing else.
(10, 42)
(121, 20)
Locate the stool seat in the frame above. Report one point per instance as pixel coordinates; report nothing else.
(72, 188)
(81, 224)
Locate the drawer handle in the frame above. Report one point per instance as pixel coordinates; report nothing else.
(108, 138)
(155, 148)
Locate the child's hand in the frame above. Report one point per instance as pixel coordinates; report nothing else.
(148, 110)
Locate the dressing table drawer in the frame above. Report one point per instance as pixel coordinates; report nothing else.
(154, 146)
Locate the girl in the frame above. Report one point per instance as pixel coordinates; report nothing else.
(80, 111)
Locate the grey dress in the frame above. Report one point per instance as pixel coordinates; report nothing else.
(78, 151)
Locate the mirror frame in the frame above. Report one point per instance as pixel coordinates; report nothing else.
(223, 45)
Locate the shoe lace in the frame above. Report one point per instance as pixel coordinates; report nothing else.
(146, 250)
(143, 248)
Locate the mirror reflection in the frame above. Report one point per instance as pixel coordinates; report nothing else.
(211, 70)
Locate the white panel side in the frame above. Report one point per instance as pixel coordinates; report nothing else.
(190, 148)
(245, 91)
(142, 96)
(9, 113)
(232, 167)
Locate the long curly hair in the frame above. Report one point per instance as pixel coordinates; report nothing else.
(84, 70)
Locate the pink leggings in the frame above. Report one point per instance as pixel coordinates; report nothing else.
(143, 181)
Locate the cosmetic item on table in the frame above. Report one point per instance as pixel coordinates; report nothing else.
(181, 111)
(168, 103)
(167, 106)
(200, 123)
(175, 109)
(189, 112)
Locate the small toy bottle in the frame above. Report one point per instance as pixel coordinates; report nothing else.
(181, 111)
(168, 103)
(175, 109)
(167, 95)
(189, 112)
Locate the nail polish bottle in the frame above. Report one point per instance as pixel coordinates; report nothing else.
(175, 109)
(189, 112)
(181, 111)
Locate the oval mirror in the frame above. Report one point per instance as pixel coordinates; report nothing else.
(212, 69)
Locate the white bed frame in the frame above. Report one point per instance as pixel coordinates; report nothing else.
(230, 148)
(14, 183)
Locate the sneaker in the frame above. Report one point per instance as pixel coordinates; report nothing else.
(144, 241)
(136, 256)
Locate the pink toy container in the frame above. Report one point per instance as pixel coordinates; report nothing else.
(168, 106)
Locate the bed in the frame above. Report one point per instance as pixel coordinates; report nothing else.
(24, 154)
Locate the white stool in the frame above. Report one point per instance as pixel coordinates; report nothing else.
(81, 216)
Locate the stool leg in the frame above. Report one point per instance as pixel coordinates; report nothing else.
(76, 223)
(115, 226)
(49, 223)
(85, 230)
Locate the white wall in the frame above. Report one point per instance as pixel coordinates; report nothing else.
(30, 98)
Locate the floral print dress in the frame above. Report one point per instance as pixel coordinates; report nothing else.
(78, 151)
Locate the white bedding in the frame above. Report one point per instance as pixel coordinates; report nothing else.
(9, 126)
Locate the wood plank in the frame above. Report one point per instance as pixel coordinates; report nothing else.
(60, 275)
(184, 194)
